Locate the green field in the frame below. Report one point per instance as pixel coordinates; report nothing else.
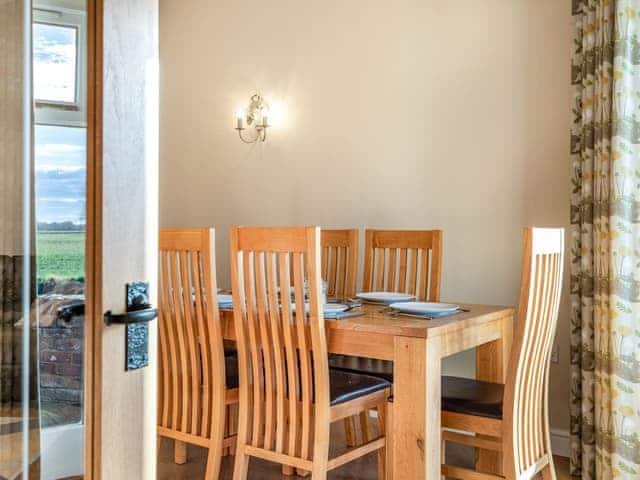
(60, 255)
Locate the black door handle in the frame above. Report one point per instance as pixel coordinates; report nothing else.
(128, 318)
(67, 312)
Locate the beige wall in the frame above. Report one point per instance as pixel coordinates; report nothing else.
(404, 114)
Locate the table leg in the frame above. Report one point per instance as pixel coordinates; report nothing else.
(179, 452)
(491, 366)
(416, 408)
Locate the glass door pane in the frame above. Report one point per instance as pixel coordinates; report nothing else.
(42, 238)
(60, 157)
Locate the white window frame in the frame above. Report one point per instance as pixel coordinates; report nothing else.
(65, 114)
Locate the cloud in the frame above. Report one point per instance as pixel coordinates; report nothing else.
(54, 55)
(61, 199)
(54, 167)
(57, 148)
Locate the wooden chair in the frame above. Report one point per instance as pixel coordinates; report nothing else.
(340, 270)
(513, 418)
(288, 396)
(340, 262)
(196, 381)
(407, 261)
(403, 261)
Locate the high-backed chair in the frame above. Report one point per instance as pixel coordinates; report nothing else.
(288, 396)
(340, 262)
(340, 270)
(196, 380)
(406, 261)
(513, 418)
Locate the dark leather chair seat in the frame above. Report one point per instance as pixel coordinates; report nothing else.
(361, 365)
(230, 348)
(343, 386)
(460, 395)
(346, 386)
(472, 397)
(231, 370)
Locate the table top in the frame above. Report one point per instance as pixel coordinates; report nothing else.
(375, 320)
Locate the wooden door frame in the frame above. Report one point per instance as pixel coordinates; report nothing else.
(93, 247)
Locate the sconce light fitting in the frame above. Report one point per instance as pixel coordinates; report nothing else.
(256, 116)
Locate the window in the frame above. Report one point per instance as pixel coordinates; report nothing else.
(59, 65)
(55, 63)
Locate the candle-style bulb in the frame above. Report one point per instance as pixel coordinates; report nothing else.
(240, 118)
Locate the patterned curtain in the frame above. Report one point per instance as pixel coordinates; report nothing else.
(605, 250)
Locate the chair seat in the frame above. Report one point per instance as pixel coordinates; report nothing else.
(230, 348)
(472, 397)
(231, 370)
(343, 386)
(346, 386)
(367, 366)
(460, 395)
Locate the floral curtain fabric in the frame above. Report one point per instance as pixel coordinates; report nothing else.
(605, 250)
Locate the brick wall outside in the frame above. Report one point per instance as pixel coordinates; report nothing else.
(61, 349)
(60, 345)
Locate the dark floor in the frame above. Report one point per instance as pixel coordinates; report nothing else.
(364, 468)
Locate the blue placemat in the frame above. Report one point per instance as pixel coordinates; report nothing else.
(341, 315)
(426, 316)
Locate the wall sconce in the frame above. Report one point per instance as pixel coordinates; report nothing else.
(254, 116)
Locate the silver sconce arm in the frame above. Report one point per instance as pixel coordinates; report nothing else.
(256, 116)
(260, 134)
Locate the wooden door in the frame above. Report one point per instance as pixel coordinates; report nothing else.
(125, 210)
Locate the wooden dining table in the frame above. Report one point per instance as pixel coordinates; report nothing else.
(417, 347)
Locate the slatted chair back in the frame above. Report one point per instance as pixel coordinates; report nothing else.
(192, 366)
(526, 439)
(283, 366)
(340, 262)
(403, 261)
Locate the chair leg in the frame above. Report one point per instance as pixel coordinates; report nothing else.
(364, 426)
(382, 428)
(349, 431)
(389, 442)
(241, 465)
(319, 443)
(443, 454)
(233, 425)
(180, 452)
(225, 450)
(319, 472)
(549, 472)
(214, 462)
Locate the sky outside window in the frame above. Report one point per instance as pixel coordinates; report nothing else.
(54, 62)
(60, 164)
